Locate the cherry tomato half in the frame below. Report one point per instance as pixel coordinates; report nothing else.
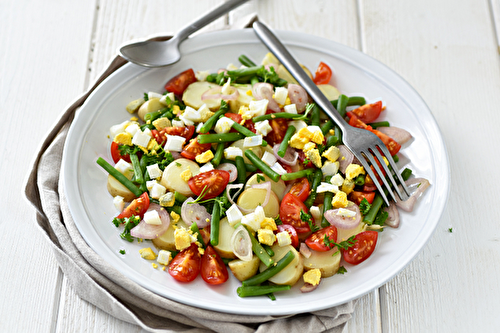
(362, 249)
(115, 153)
(358, 196)
(194, 148)
(323, 74)
(237, 118)
(290, 213)
(186, 264)
(369, 112)
(214, 181)
(279, 126)
(161, 135)
(180, 82)
(213, 270)
(292, 232)
(301, 189)
(137, 207)
(316, 241)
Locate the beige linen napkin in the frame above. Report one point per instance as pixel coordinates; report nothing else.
(95, 281)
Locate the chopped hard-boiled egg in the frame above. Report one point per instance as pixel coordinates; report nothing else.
(231, 152)
(312, 276)
(263, 128)
(119, 203)
(174, 143)
(283, 238)
(157, 191)
(233, 215)
(123, 138)
(164, 257)
(147, 253)
(339, 200)
(152, 217)
(183, 238)
(186, 174)
(205, 157)
(266, 236)
(154, 171)
(269, 223)
(167, 199)
(313, 156)
(353, 170)
(223, 125)
(269, 158)
(332, 154)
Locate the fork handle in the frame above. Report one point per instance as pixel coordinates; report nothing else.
(278, 49)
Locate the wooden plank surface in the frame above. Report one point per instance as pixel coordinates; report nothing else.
(447, 51)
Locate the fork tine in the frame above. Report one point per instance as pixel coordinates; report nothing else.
(365, 165)
(389, 174)
(394, 167)
(375, 165)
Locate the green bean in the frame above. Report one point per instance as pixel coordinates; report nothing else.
(154, 115)
(377, 203)
(284, 144)
(242, 170)
(268, 249)
(179, 197)
(297, 174)
(285, 115)
(259, 250)
(119, 176)
(379, 124)
(354, 100)
(219, 153)
(176, 209)
(139, 176)
(317, 177)
(207, 126)
(246, 132)
(249, 71)
(327, 204)
(406, 174)
(395, 158)
(259, 164)
(217, 138)
(194, 229)
(335, 139)
(246, 61)
(342, 104)
(315, 115)
(260, 290)
(214, 224)
(360, 180)
(270, 271)
(326, 127)
(211, 77)
(254, 80)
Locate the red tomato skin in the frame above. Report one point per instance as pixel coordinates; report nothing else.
(180, 82)
(292, 232)
(214, 180)
(186, 265)
(358, 196)
(237, 118)
(137, 207)
(213, 269)
(161, 136)
(362, 249)
(316, 241)
(193, 148)
(279, 126)
(369, 112)
(323, 74)
(301, 189)
(290, 213)
(115, 153)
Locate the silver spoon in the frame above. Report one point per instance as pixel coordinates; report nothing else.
(162, 53)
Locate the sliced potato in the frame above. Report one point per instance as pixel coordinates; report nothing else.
(292, 272)
(277, 187)
(329, 91)
(270, 59)
(151, 105)
(116, 188)
(171, 177)
(192, 95)
(257, 150)
(253, 197)
(243, 270)
(224, 247)
(285, 74)
(167, 240)
(326, 262)
(243, 99)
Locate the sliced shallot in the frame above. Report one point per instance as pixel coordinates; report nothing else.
(216, 93)
(417, 186)
(231, 168)
(151, 231)
(298, 96)
(399, 135)
(393, 218)
(241, 244)
(290, 157)
(304, 250)
(264, 90)
(337, 219)
(346, 158)
(193, 212)
(308, 287)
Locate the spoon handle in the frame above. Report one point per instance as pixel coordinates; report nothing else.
(208, 18)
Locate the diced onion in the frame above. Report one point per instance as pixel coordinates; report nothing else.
(150, 231)
(193, 212)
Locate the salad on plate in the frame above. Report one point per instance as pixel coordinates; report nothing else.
(239, 171)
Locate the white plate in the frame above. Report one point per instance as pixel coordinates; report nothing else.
(355, 73)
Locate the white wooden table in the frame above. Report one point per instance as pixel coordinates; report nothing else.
(447, 50)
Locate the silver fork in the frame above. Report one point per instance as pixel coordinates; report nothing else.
(365, 145)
